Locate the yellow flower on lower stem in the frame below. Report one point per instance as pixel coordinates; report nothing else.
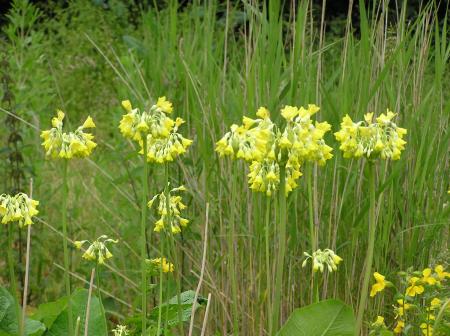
(427, 329)
(427, 278)
(415, 287)
(399, 327)
(403, 306)
(167, 267)
(379, 285)
(435, 303)
(379, 322)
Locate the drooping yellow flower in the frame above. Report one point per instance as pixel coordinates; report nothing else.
(379, 285)
(97, 250)
(441, 273)
(415, 287)
(167, 267)
(170, 212)
(19, 208)
(89, 123)
(164, 105)
(321, 259)
(399, 327)
(427, 329)
(427, 278)
(380, 139)
(59, 144)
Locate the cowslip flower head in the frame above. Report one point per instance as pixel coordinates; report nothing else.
(267, 147)
(19, 208)
(381, 138)
(379, 285)
(97, 250)
(59, 144)
(321, 259)
(164, 143)
(169, 212)
(161, 264)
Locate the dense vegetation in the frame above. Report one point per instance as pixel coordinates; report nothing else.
(216, 63)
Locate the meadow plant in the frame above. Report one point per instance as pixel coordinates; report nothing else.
(372, 139)
(160, 143)
(275, 156)
(421, 303)
(19, 208)
(98, 253)
(65, 146)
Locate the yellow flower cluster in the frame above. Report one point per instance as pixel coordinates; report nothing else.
(20, 208)
(320, 259)
(167, 267)
(424, 309)
(169, 211)
(164, 143)
(59, 144)
(372, 139)
(261, 143)
(97, 250)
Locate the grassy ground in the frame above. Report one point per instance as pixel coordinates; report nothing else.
(217, 63)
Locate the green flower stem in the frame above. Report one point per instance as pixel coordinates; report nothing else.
(370, 247)
(65, 192)
(161, 274)
(12, 275)
(312, 235)
(268, 271)
(278, 290)
(144, 237)
(97, 271)
(174, 256)
(232, 256)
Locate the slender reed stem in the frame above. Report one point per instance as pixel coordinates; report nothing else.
(27, 273)
(370, 247)
(202, 271)
(144, 237)
(205, 319)
(88, 306)
(65, 192)
(312, 235)
(268, 270)
(161, 274)
(232, 257)
(281, 252)
(12, 275)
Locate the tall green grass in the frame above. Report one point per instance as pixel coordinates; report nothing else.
(217, 62)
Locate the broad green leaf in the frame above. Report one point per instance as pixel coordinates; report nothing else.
(49, 312)
(9, 322)
(97, 322)
(177, 310)
(325, 318)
